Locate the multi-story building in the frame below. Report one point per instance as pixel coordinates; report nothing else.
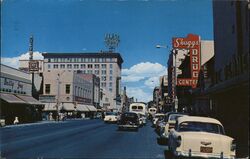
(106, 66)
(156, 97)
(16, 96)
(69, 91)
(230, 88)
(163, 92)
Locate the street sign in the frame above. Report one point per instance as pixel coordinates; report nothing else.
(33, 65)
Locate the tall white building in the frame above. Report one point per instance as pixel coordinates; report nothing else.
(106, 66)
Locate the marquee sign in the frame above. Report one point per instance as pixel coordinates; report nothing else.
(191, 43)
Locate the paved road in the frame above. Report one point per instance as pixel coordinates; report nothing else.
(79, 139)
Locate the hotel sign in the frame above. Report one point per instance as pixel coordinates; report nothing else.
(33, 65)
(191, 43)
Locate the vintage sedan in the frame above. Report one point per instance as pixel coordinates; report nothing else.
(110, 117)
(128, 120)
(200, 137)
(169, 123)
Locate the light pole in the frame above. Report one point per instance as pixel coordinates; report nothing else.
(175, 81)
(58, 94)
(175, 99)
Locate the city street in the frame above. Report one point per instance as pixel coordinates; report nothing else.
(79, 139)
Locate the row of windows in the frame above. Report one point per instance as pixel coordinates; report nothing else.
(47, 88)
(82, 66)
(96, 72)
(82, 59)
(14, 91)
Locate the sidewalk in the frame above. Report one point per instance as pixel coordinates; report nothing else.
(36, 123)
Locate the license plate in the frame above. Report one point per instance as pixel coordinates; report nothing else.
(206, 149)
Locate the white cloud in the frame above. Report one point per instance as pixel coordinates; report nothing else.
(14, 61)
(152, 82)
(140, 94)
(142, 71)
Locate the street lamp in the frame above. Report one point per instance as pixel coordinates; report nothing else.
(174, 52)
(58, 94)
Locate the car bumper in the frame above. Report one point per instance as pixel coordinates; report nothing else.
(189, 154)
(128, 126)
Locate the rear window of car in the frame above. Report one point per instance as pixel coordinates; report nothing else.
(111, 113)
(174, 117)
(129, 115)
(201, 126)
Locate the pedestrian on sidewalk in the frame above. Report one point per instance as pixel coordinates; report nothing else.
(16, 121)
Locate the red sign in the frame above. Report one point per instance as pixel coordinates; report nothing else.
(191, 43)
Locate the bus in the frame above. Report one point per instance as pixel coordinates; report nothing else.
(138, 108)
(151, 112)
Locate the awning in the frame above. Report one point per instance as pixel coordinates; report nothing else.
(10, 98)
(68, 106)
(82, 108)
(91, 108)
(29, 100)
(50, 107)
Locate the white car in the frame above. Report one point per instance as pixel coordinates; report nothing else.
(200, 137)
(111, 117)
(169, 124)
(156, 117)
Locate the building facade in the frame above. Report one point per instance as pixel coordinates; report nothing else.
(106, 66)
(229, 91)
(16, 97)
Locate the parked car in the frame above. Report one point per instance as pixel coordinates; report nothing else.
(201, 137)
(167, 124)
(157, 116)
(142, 119)
(111, 117)
(128, 120)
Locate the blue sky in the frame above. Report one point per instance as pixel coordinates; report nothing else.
(80, 26)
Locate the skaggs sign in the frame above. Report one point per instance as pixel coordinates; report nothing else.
(191, 43)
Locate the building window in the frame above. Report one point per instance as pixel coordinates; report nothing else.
(103, 65)
(97, 66)
(52, 60)
(93, 59)
(83, 66)
(47, 88)
(97, 72)
(90, 66)
(110, 78)
(90, 71)
(110, 66)
(110, 89)
(55, 66)
(103, 72)
(76, 66)
(110, 84)
(86, 60)
(67, 89)
(69, 66)
(100, 59)
(103, 84)
(62, 66)
(103, 78)
(111, 72)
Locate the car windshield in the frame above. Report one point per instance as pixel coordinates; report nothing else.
(173, 117)
(111, 113)
(201, 126)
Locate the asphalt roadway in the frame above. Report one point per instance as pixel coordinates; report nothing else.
(92, 139)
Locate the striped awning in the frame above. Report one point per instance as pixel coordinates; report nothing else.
(29, 100)
(82, 108)
(91, 108)
(69, 106)
(10, 98)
